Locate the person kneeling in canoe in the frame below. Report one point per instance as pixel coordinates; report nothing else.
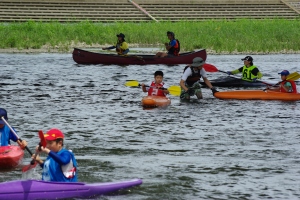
(156, 87)
(6, 134)
(190, 80)
(121, 46)
(173, 47)
(60, 165)
(287, 86)
(249, 71)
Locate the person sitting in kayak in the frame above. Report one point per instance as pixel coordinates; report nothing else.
(60, 165)
(190, 80)
(156, 87)
(121, 46)
(173, 47)
(287, 86)
(249, 71)
(6, 135)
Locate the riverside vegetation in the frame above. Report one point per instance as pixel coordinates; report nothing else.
(242, 35)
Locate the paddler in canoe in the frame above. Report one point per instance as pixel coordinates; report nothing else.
(249, 71)
(190, 80)
(156, 87)
(60, 165)
(121, 46)
(6, 134)
(173, 47)
(286, 86)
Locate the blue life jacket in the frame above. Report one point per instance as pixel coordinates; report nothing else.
(53, 171)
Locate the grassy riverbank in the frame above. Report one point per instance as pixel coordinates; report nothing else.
(262, 36)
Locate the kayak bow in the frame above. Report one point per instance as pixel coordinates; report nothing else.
(155, 101)
(10, 156)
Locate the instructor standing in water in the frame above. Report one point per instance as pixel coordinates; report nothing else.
(190, 80)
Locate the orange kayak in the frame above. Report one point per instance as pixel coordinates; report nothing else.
(155, 101)
(257, 95)
(10, 156)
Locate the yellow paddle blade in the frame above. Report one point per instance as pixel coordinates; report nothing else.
(293, 76)
(132, 83)
(174, 90)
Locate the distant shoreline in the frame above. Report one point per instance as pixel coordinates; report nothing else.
(242, 36)
(97, 48)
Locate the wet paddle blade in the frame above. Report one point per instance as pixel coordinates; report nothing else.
(132, 83)
(293, 76)
(210, 68)
(42, 138)
(174, 90)
(26, 168)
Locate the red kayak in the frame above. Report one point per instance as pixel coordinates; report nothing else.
(10, 156)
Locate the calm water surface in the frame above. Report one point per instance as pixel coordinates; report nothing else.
(206, 149)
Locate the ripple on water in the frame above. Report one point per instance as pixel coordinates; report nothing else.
(207, 149)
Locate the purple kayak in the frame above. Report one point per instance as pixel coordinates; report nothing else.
(34, 189)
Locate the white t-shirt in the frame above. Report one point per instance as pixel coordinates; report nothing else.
(188, 72)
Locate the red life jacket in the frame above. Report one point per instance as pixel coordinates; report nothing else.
(175, 49)
(154, 91)
(294, 87)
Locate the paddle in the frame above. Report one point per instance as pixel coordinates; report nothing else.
(14, 132)
(173, 89)
(292, 77)
(33, 163)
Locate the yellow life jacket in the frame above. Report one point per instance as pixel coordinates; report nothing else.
(247, 73)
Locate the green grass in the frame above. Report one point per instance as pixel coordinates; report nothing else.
(270, 35)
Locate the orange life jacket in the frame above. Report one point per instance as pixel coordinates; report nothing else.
(175, 49)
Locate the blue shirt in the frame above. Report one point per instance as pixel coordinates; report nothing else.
(172, 43)
(6, 135)
(60, 166)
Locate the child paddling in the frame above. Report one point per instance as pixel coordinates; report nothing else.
(60, 164)
(156, 87)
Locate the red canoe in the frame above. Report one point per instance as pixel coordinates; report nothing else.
(10, 156)
(87, 57)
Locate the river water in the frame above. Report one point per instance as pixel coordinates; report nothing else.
(206, 149)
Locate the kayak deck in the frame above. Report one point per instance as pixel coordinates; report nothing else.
(10, 156)
(257, 95)
(155, 101)
(34, 189)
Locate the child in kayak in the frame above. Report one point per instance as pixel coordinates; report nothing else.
(6, 134)
(156, 87)
(287, 86)
(60, 164)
